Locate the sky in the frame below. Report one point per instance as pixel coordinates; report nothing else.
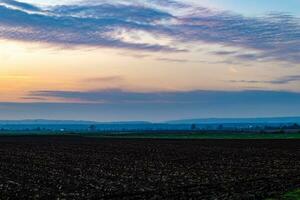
(149, 59)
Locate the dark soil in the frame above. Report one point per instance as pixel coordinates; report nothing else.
(88, 168)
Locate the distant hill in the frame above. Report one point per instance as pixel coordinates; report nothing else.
(57, 122)
(267, 120)
(212, 124)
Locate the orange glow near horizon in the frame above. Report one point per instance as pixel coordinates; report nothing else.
(27, 67)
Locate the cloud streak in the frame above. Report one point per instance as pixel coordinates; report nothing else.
(20, 5)
(273, 37)
(72, 30)
(279, 81)
(180, 97)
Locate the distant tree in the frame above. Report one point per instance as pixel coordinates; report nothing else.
(220, 127)
(92, 128)
(193, 127)
(296, 126)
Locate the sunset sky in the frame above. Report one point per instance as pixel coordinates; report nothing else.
(149, 59)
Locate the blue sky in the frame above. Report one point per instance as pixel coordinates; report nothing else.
(253, 7)
(257, 7)
(153, 60)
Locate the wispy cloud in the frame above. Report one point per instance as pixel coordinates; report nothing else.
(279, 81)
(273, 37)
(60, 26)
(177, 97)
(19, 5)
(173, 60)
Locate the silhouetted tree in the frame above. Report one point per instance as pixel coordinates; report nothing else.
(193, 127)
(92, 128)
(296, 126)
(220, 127)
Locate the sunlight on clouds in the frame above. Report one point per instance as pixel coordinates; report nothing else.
(233, 70)
(141, 37)
(51, 2)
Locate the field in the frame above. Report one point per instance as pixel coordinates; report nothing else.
(159, 134)
(293, 195)
(70, 167)
(197, 135)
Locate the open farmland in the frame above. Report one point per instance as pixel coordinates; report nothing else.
(195, 135)
(53, 167)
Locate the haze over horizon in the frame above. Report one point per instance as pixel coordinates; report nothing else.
(149, 60)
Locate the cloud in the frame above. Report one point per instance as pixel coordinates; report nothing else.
(95, 23)
(72, 30)
(130, 13)
(278, 81)
(34, 98)
(20, 5)
(225, 53)
(173, 60)
(177, 97)
(286, 79)
(274, 37)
